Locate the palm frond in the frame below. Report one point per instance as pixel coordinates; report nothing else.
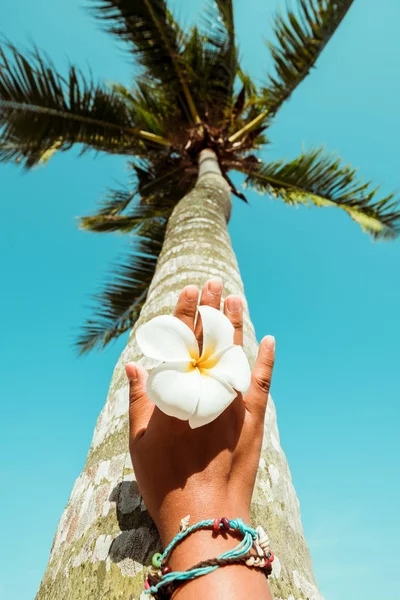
(248, 84)
(221, 59)
(322, 180)
(10, 150)
(39, 109)
(133, 220)
(165, 181)
(159, 186)
(153, 111)
(219, 30)
(225, 17)
(194, 57)
(120, 303)
(301, 38)
(115, 201)
(111, 223)
(157, 42)
(209, 76)
(245, 108)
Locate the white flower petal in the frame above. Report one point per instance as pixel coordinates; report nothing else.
(175, 389)
(233, 367)
(215, 397)
(167, 338)
(217, 330)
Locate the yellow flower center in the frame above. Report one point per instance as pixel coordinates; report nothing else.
(206, 361)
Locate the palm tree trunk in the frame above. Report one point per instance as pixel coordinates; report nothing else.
(105, 535)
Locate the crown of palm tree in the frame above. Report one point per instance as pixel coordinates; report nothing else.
(190, 94)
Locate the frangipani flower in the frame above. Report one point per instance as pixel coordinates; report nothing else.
(186, 385)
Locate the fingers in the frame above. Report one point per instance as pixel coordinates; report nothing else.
(257, 397)
(211, 293)
(233, 309)
(186, 306)
(210, 296)
(140, 407)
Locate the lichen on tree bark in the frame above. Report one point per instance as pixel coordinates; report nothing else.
(105, 535)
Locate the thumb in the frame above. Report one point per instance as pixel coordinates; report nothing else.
(140, 407)
(257, 397)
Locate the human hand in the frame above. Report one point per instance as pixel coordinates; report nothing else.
(204, 472)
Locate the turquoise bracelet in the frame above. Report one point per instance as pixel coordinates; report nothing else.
(241, 553)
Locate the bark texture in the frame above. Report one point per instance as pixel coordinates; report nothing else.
(105, 536)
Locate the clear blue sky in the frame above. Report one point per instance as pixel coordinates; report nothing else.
(329, 294)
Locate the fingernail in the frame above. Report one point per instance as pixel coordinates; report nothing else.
(131, 371)
(214, 286)
(191, 293)
(269, 342)
(234, 304)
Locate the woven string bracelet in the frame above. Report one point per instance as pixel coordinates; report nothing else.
(162, 583)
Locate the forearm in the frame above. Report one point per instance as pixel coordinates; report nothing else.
(205, 468)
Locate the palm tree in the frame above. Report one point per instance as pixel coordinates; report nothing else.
(191, 117)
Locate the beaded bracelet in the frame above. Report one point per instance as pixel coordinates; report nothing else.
(163, 581)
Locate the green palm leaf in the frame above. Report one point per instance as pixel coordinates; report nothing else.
(194, 54)
(41, 112)
(157, 42)
(116, 223)
(322, 180)
(300, 40)
(118, 306)
(115, 202)
(146, 118)
(220, 58)
(133, 220)
(160, 187)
